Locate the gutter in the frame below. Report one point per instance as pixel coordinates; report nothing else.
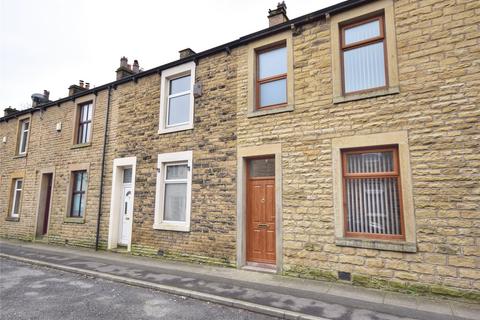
(339, 7)
(102, 173)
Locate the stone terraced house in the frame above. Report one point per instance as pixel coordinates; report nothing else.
(343, 144)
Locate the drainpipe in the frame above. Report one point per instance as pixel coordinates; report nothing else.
(100, 196)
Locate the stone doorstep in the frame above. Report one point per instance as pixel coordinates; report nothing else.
(427, 304)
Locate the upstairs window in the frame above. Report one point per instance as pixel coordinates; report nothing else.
(176, 98)
(16, 198)
(372, 197)
(271, 81)
(364, 62)
(84, 129)
(24, 130)
(178, 105)
(78, 196)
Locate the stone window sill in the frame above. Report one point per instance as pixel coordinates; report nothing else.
(13, 219)
(367, 95)
(172, 227)
(74, 220)
(19, 156)
(260, 113)
(81, 145)
(175, 129)
(399, 246)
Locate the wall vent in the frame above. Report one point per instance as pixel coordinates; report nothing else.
(344, 276)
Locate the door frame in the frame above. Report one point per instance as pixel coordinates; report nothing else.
(40, 204)
(119, 165)
(243, 154)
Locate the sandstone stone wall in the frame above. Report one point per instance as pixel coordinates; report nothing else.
(438, 105)
(213, 142)
(49, 149)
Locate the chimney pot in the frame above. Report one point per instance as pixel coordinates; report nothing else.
(87, 85)
(186, 53)
(124, 70)
(135, 67)
(278, 15)
(46, 94)
(9, 110)
(81, 83)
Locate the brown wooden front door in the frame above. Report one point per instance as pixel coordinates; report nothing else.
(261, 211)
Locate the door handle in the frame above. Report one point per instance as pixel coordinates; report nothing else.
(262, 225)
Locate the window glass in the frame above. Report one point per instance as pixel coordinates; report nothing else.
(175, 201)
(180, 85)
(175, 172)
(262, 167)
(364, 67)
(85, 123)
(272, 63)
(78, 193)
(76, 205)
(273, 93)
(127, 175)
(24, 129)
(362, 32)
(179, 110)
(17, 195)
(370, 162)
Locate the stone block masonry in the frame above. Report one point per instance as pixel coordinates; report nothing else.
(436, 106)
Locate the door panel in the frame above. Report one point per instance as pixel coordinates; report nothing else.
(261, 220)
(126, 215)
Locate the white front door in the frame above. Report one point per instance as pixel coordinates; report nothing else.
(126, 216)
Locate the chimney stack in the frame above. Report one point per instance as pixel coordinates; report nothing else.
(124, 70)
(74, 89)
(185, 53)
(9, 110)
(40, 98)
(277, 16)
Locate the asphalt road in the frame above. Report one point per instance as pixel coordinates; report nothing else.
(31, 292)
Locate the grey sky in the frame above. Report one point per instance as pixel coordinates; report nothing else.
(51, 44)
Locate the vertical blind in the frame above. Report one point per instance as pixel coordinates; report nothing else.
(373, 204)
(364, 67)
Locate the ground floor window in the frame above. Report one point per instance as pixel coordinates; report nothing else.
(16, 198)
(372, 193)
(79, 188)
(174, 180)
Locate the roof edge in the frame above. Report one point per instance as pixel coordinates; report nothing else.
(307, 18)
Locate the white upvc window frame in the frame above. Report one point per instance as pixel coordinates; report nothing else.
(164, 160)
(23, 143)
(186, 69)
(15, 198)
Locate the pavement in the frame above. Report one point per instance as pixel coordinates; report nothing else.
(267, 294)
(54, 294)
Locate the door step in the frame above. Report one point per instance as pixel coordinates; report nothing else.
(260, 267)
